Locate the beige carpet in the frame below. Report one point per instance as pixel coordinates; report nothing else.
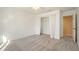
(42, 43)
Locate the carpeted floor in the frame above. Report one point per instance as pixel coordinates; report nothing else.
(42, 43)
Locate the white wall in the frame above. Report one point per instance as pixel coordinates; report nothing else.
(55, 25)
(78, 26)
(1, 26)
(17, 23)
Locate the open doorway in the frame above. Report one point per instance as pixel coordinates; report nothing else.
(45, 25)
(68, 27)
(70, 23)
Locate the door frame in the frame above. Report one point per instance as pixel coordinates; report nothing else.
(74, 26)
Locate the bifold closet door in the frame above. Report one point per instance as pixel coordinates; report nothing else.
(45, 25)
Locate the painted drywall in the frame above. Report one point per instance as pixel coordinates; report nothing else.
(56, 24)
(1, 27)
(17, 23)
(78, 26)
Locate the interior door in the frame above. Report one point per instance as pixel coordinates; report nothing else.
(45, 25)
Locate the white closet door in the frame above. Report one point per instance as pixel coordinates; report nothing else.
(45, 25)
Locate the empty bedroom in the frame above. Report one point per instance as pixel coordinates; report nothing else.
(39, 29)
